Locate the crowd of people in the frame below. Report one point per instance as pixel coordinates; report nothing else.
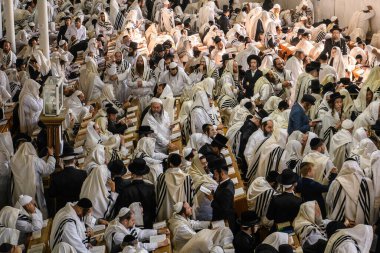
(292, 98)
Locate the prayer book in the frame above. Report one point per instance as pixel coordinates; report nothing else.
(132, 109)
(159, 225)
(175, 135)
(205, 190)
(235, 180)
(157, 238)
(98, 249)
(131, 115)
(36, 234)
(37, 248)
(228, 160)
(45, 223)
(78, 150)
(131, 129)
(239, 191)
(225, 152)
(231, 171)
(133, 120)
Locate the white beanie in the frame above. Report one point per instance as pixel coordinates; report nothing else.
(123, 211)
(24, 200)
(156, 100)
(187, 151)
(347, 124)
(172, 65)
(62, 42)
(266, 119)
(178, 207)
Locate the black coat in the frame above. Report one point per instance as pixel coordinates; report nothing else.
(283, 208)
(207, 152)
(223, 204)
(244, 243)
(224, 23)
(143, 192)
(249, 81)
(329, 44)
(65, 185)
(116, 128)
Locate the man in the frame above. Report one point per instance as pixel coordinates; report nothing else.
(172, 186)
(304, 79)
(177, 79)
(158, 120)
(103, 26)
(166, 21)
(252, 75)
(259, 195)
(186, 239)
(7, 57)
(132, 53)
(284, 207)
(341, 143)
(76, 32)
(118, 170)
(140, 191)
(298, 119)
(29, 219)
(326, 69)
(8, 220)
(295, 65)
(65, 185)
(246, 240)
(335, 41)
(198, 140)
(361, 20)
(224, 20)
(311, 189)
(284, 78)
(222, 201)
(123, 225)
(322, 163)
(114, 126)
(213, 151)
(63, 29)
(351, 196)
(264, 87)
(68, 226)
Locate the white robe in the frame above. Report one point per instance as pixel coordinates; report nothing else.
(253, 140)
(161, 128)
(8, 231)
(177, 83)
(322, 166)
(340, 147)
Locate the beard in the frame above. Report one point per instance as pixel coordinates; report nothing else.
(157, 115)
(267, 134)
(140, 68)
(118, 62)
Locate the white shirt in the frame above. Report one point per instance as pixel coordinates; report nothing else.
(80, 33)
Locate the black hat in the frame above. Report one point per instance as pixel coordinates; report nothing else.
(314, 65)
(335, 28)
(345, 80)
(248, 219)
(285, 29)
(261, 113)
(133, 45)
(84, 203)
(68, 152)
(21, 138)
(376, 127)
(6, 247)
(225, 8)
(353, 89)
(335, 96)
(138, 167)
(272, 176)
(328, 87)
(308, 98)
(111, 110)
(219, 141)
(285, 248)
(248, 105)
(217, 39)
(174, 159)
(145, 130)
(301, 31)
(219, 164)
(315, 142)
(227, 57)
(117, 167)
(128, 239)
(287, 177)
(159, 48)
(256, 57)
(333, 226)
(315, 84)
(317, 247)
(265, 248)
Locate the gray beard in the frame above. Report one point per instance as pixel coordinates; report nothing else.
(157, 116)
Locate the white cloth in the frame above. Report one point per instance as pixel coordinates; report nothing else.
(276, 239)
(177, 83)
(199, 112)
(8, 219)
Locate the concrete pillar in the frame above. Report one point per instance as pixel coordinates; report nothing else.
(10, 23)
(43, 27)
(1, 21)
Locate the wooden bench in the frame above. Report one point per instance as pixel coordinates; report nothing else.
(43, 239)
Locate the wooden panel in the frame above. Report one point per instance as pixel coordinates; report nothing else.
(45, 236)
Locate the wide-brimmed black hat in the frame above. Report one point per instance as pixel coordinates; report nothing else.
(314, 65)
(345, 81)
(265, 248)
(219, 141)
(248, 219)
(335, 28)
(328, 87)
(219, 163)
(133, 45)
(117, 167)
(68, 152)
(309, 98)
(287, 177)
(111, 110)
(256, 57)
(228, 56)
(145, 130)
(138, 167)
(21, 138)
(335, 96)
(217, 39)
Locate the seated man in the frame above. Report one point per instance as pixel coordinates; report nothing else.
(213, 151)
(124, 224)
(186, 239)
(116, 127)
(197, 140)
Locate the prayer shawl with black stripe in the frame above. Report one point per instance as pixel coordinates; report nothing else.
(255, 161)
(173, 186)
(259, 195)
(116, 16)
(320, 161)
(351, 196)
(270, 160)
(302, 86)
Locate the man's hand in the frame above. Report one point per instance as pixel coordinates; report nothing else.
(163, 243)
(334, 171)
(30, 208)
(220, 127)
(50, 151)
(286, 84)
(111, 184)
(126, 104)
(210, 197)
(103, 222)
(139, 83)
(312, 123)
(162, 231)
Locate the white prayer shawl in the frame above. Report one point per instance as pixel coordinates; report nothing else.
(256, 138)
(75, 106)
(348, 104)
(329, 122)
(67, 227)
(161, 128)
(89, 80)
(95, 189)
(363, 153)
(351, 196)
(206, 14)
(319, 160)
(295, 66)
(293, 153)
(359, 135)
(305, 45)
(172, 187)
(302, 86)
(368, 116)
(64, 247)
(42, 61)
(168, 101)
(239, 114)
(216, 55)
(250, 19)
(197, 140)
(259, 195)
(177, 83)
(372, 82)
(356, 239)
(167, 19)
(308, 227)
(199, 112)
(276, 239)
(338, 62)
(340, 147)
(241, 57)
(375, 176)
(30, 107)
(316, 50)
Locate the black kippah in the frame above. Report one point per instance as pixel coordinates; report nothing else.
(84, 203)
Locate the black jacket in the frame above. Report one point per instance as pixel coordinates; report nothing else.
(329, 44)
(223, 204)
(116, 128)
(61, 33)
(139, 191)
(244, 243)
(249, 81)
(210, 156)
(224, 23)
(284, 207)
(65, 185)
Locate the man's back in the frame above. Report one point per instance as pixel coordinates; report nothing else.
(284, 207)
(298, 120)
(66, 185)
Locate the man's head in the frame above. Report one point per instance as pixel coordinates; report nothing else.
(204, 163)
(335, 33)
(220, 170)
(271, 178)
(68, 21)
(112, 113)
(279, 64)
(254, 62)
(174, 160)
(83, 207)
(369, 96)
(132, 49)
(307, 169)
(183, 209)
(6, 46)
(173, 68)
(313, 68)
(156, 107)
(267, 126)
(300, 54)
(218, 143)
(209, 130)
(25, 201)
(270, 76)
(102, 17)
(118, 57)
(127, 217)
(307, 101)
(317, 144)
(78, 23)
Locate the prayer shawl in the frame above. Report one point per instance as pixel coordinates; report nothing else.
(95, 189)
(167, 20)
(276, 239)
(185, 239)
(89, 80)
(307, 226)
(8, 219)
(116, 16)
(197, 140)
(340, 148)
(240, 113)
(6, 152)
(363, 153)
(227, 97)
(368, 117)
(168, 101)
(234, 135)
(67, 227)
(255, 139)
(199, 112)
(295, 66)
(254, 163)
(302, 86)
(108, 97)
(338, 62)
(372, 82)
(374, 174)
(356, 240)
(42, 61)
(75, 106)
(351, 196)
(241, 57)
(293, 158)
(305, 45)
(30, 107)
(259, 195)
(329, 121)
(251, 20)
(63, 247)
(217, 54)
(359, 135)
(348, 104)
(173, 186)
(206, 14)
(320, 161)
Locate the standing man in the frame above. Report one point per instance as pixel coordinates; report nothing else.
(298, 119)
(177, 79)
(252, 74)
(224, 20)
(335, 41)
(166, 18)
